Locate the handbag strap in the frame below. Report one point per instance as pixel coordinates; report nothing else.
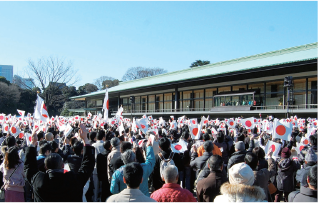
(10, 176)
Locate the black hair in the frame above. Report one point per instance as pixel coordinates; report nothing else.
(164, 144)
(215, 162)
(122, 138)
(259, 152)
(77, 147)
(53, 145)
(127, 130)
(116, 133)
(208, 146)
(312, 176)
(40, 135)
(313, 139)
(51, 130)
(251, 160)
(11, 158)
(92, 135)
(133, 173)
(101, 135)
(124, 146)
(185, 135)
(107, 145)
(10, 141)
(206, 136)
(220, 137)
(44, 148)
(53, 161)
(241, 137)
(42, 142)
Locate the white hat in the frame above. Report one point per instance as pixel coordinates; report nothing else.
(241, 173)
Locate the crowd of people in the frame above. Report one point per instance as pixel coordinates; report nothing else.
(112, 162)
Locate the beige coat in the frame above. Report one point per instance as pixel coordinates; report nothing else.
(130, 195)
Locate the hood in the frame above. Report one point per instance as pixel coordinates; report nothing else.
(242, 193)
(285, 164)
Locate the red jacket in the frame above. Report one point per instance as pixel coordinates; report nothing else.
(172, 192)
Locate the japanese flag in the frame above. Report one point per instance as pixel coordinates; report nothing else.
(162, 122)
(179, 147)
(231, 123)
(300, 146)
(304, 141)
(248, 123)
(21, 113)
(77, 118)
(141, 142)
(120, 111)
(144, 116)
(204, 121)
(173, 125)
(68, 130)
(66, 168)
(142, 124)
(194, 129)
(21, 134)
(5, 128)
(2, 118)
(282, 130)
(28, 138)
(275, 147)
(40, 111)
(15, 130)
(150, 118)
(193, 121)
(172, 118)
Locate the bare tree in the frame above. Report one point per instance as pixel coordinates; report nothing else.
(51, 71)
(103, 80)
(140, 72)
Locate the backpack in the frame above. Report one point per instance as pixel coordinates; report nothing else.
(165, 162)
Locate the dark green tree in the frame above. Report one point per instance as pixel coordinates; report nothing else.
(199, 63)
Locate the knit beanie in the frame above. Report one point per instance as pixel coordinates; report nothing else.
(285, 153)
(241, 173)
(240, 146)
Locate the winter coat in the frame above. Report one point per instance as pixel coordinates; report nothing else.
(56, 186)
(224, 150)
(115, 152)
(215, 151)
(16, 182)
(285, 174)
(198, 163)
(172, 192)
(209, 187)
(306, 195)
(237, 157)
(301, 175)
(101, 165)
(240, 193)
(117, 183)
(117, 163)
(74, 162)
(178, 161)
(130, 195)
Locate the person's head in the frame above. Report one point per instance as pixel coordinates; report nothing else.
(215, 163)
(239, 146)
(133, 173)
(185, 135)
(10, 141)
(128, 156)
(53, 161)
(208, 146)
(92, 136)
(220, 137)
(115, 142)
(206, 137)
(251, 160)
(125, 146)
(107, 145)
(312, 178)
(40, 135)
(259, 152)
(49, 136)
(241, 173)
(54, 147)
(101, 135)
(170, 174)
(45, 149)
(164, 144)
(313, 139)
(285, 154)
(311, 157)
(78, 148)
(11, 158)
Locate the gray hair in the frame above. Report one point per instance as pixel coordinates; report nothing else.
(128, 156)
(115, 141)
(170, 173)
(208, 146)
(49, 136)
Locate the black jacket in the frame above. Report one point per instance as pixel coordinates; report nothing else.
(306, 195)
(74, 162)
(116, 163)
(237, 157)
(198, 163)
(101, 166)
(178, 161)
(56, 186)
(285, 174)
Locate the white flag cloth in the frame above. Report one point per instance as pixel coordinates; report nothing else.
(173, 125)
(120, 111)
(105, 105)
(15, 130)
(2, 118)
(68, 130)
(5, 128)
(40, 111)
(28, 138)
(179, 147)
(194, 129)
(248, 123)
(231, 123)
(282, 130)
(21, 113)
(274, 146)
(142, 124)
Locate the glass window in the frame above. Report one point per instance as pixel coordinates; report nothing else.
(300, 84)
(151, 98)
(224, 89)
(210, 92)
(168, 97)
(257, 86)
(187, 95)
(209, 103)
(91, 103)
(198, 94)
(151, 107)
(198, 104)
(186, 105)
(167, 106)
(137, 100)
(99, 102)
(239, 88)
(312, 83)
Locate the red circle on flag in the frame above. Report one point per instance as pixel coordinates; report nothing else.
(178, 147)
(44, 115)
(193, 121)
(21, 135)
(30, 138)
(205, 121)
(142, 126)
(231, 123)
(36, 126)
(6, 128)
(248, 123)
(195, 131)
(13, 130)
(281, 130)
(305, 142)
(272, 147)
(1, 117)
(107, 104)
(301, 148)
(172, 126)
(113, 122)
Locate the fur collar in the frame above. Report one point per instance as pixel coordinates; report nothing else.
(241, 193)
